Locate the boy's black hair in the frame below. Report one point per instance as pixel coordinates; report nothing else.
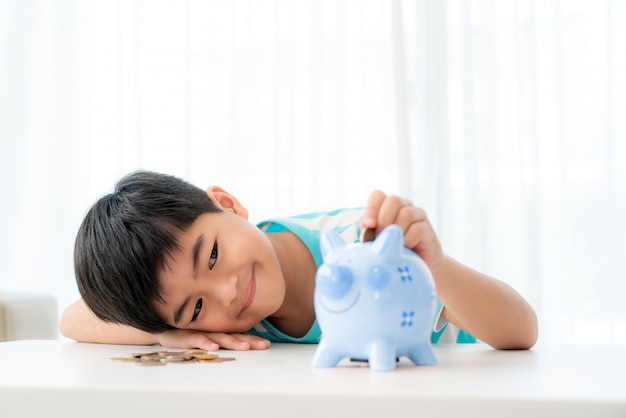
(125, 240)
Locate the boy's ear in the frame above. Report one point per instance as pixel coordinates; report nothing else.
(226, 201)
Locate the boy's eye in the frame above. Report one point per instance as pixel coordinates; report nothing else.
(213, 257)
(196, 310)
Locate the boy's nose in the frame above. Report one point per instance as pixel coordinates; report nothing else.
(225, 289)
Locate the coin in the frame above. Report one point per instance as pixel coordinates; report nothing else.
(204, 356)
(148, 353)
(367, 235)
(162, 357)
(124, 359)
(180, 360)
(151, 357)
(196, 351)
(216, 360)
(151, 363)
(179, 357)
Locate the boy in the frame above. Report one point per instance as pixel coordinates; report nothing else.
(160, 261)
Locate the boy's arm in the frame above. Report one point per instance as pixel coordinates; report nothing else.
(80, 324)
(487, 308)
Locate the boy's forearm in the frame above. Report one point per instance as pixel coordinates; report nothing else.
(80, 324)
(485, 307)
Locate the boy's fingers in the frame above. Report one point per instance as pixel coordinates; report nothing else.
(207, 344)
(409, 215)
(212, 341)
(421, 238)
(415, 235)
(390, 209)
(374, 202)
(187, 339)
(253, 342)
(230, 342)
(239, 342)
(256, 343)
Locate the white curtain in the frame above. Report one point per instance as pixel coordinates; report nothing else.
(504, 119)
(522, 106)
(288, 105)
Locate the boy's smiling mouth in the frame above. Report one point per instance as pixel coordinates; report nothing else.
(250, 290)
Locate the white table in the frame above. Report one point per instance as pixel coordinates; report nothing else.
(66, 379)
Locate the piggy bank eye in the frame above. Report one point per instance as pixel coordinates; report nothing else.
(378, 278)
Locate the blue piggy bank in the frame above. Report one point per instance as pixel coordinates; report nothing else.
(374, 301)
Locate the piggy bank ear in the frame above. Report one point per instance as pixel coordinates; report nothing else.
(329, 241)
(389, 241)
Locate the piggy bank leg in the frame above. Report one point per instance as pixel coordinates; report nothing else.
(382, 356)
(423, 355)
(325, 356)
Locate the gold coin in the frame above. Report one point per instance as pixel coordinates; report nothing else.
(185, 357)
(151, 357)
(148, 353)
(195, 351)
(178, 354)
(181, 360)
(204, 356)
(367, 235)
(216, 360)
(151, 363)
(124, 359)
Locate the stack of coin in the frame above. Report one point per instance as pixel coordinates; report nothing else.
(161, 358)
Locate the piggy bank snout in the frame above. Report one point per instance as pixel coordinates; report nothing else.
(334, 281)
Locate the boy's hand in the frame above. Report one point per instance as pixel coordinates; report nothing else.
(211, 341)
(419, 235)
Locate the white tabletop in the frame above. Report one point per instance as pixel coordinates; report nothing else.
(66, 379)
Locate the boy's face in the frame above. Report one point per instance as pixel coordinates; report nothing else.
(224, 278)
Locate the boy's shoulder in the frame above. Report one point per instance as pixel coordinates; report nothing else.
(339, 220)
(308, 227)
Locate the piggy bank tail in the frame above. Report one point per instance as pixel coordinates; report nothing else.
(423, 355)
